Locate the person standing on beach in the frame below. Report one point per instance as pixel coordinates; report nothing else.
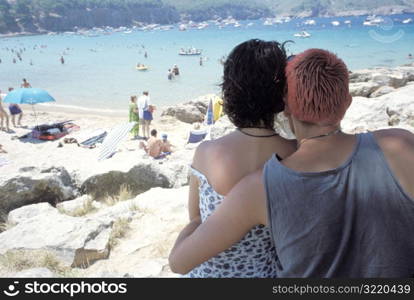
(201, 60)
(134, 116)
(25, 84)
(15, 110)
(145, 110)
(3, 117)
(62, 60)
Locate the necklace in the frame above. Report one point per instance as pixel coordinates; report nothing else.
(258, 136)
(336, 131)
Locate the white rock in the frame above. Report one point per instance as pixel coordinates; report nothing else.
(33, 273)
(363, 89)
(27, 212)
(72, 206)
(144, 251)
(382, 91)
(365, 114)
(74, 241)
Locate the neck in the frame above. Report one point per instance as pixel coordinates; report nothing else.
(308, 131)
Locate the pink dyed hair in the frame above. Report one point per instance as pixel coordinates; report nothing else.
(318, 87)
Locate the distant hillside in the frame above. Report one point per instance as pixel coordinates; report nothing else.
(65, 15)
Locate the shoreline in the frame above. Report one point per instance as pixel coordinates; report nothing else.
(381, 11)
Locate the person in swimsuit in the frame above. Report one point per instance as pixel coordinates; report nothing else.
(341, 206)
(253, 89)
(15, 110)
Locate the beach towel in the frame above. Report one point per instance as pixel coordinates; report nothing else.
(113, 139)
(50, 132)
(89, 139)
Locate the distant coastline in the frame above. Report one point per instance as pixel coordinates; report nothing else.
(74, 19)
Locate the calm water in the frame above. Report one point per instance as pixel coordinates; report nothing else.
(99, 72)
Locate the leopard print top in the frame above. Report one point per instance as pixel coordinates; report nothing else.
(254, 256)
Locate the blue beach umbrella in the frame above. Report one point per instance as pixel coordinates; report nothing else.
(28, 96)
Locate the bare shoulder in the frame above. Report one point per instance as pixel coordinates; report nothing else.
(395, 140)
(203, 153)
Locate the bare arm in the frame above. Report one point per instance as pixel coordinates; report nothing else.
(242, 209)
(398, 148)
(193, 199)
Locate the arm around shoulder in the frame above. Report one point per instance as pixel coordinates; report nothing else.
(242, 209)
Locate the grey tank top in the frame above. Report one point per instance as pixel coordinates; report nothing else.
(353, 221)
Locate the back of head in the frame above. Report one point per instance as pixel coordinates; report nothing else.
(154, 132)
(145, 93)
(318, 87)
(253, 83)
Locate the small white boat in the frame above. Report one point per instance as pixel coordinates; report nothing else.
(191, 51)
(407, 21)
(348, 22)
(310, 22)
(302, 34)
(335, 23)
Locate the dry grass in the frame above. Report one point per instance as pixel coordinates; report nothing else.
(124, 194)
(119, 230)
(85, 209)
(4, 225)
(16, 261)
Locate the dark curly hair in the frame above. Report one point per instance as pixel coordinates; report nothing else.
(254, 82)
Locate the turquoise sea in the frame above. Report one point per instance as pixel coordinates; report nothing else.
(99, 71)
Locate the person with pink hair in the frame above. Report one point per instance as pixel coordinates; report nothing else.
(342, 205)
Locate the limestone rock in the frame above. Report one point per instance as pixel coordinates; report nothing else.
(72, 206)
(33, 273)
(364, 114)
(363, 89)
(76, 242)
(382, 91)
(140, 178)
(33, 185)
(144, 251)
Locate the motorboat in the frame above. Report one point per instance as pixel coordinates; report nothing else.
(335, 23)
(302, 34)
(141, 67)
(407, 21)
(191, 51)
(310, 22)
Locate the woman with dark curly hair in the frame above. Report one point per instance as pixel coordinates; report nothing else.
(253, 90)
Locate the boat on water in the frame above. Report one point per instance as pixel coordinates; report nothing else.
(335, 23)
(407, 21)
(141, 67)
(310, 22)
(303, 34)
(191, 51)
